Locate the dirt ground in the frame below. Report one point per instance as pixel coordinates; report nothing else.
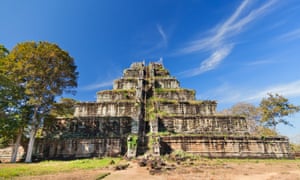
(287, 170)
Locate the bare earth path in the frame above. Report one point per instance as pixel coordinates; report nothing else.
(289, 170)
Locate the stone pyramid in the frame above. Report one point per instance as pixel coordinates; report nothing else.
(148, 112)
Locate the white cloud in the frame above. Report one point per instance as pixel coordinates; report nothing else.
(162, 34)
(291, 89)
(229, 94)
(97, 85)
(222, 34)
(295, 34)
(210, 63)
(260, 62)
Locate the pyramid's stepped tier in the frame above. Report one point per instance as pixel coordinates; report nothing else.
(167, 83)
(131, 83)
(229, 146)
(125, 83)
(87, 127)
(172, 107)
(80, 148)
(134, 71)
(130, 94)
(175, 94)
(131, 73)
(114, 109)
(115, 95)
(217, 125)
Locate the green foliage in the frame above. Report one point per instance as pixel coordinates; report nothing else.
(50, 167)
(42, 71)
(64, 108)
(4, 141)
(132, 141)
(162, 90)
(14, 112)
(274, 108)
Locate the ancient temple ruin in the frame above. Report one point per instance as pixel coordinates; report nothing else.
(148, 112)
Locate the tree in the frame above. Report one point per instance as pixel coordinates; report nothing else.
(44, 70)
(16, 113)
(249, 111)
(3, 92)
(64, 108)
(274, 109)
(13, 110)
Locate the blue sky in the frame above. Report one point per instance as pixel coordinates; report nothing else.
(229, 51)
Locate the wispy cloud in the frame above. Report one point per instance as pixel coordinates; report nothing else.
(229, 94)
(211, 62)
(97, 85)
(261, 62)
(222, 35)
(162, 34)
(291, 35)
(291, 89)
(158, 41)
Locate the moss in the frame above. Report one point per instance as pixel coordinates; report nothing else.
(195, 102)
(152, 112)
(132, 141)
(116, 91)
(152, 139)
(163, 100)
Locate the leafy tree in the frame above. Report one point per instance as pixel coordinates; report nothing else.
(13, 110)
(274, 109)
(44, 70)
(3, 91)
(249, 111)
(64, 108)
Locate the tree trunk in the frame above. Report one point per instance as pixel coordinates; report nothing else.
(15, 148)
(32, 137)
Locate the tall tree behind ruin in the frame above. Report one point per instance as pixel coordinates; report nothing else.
(274, 109)
(249, 111)
(44, 70)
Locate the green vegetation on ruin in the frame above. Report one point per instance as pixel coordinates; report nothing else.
(117, 91)
(163, 100)
(161, 90)
(52, 167)
(132, 141)
(219, 135)
(152, 111)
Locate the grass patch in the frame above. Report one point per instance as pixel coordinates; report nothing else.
(51, 167)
